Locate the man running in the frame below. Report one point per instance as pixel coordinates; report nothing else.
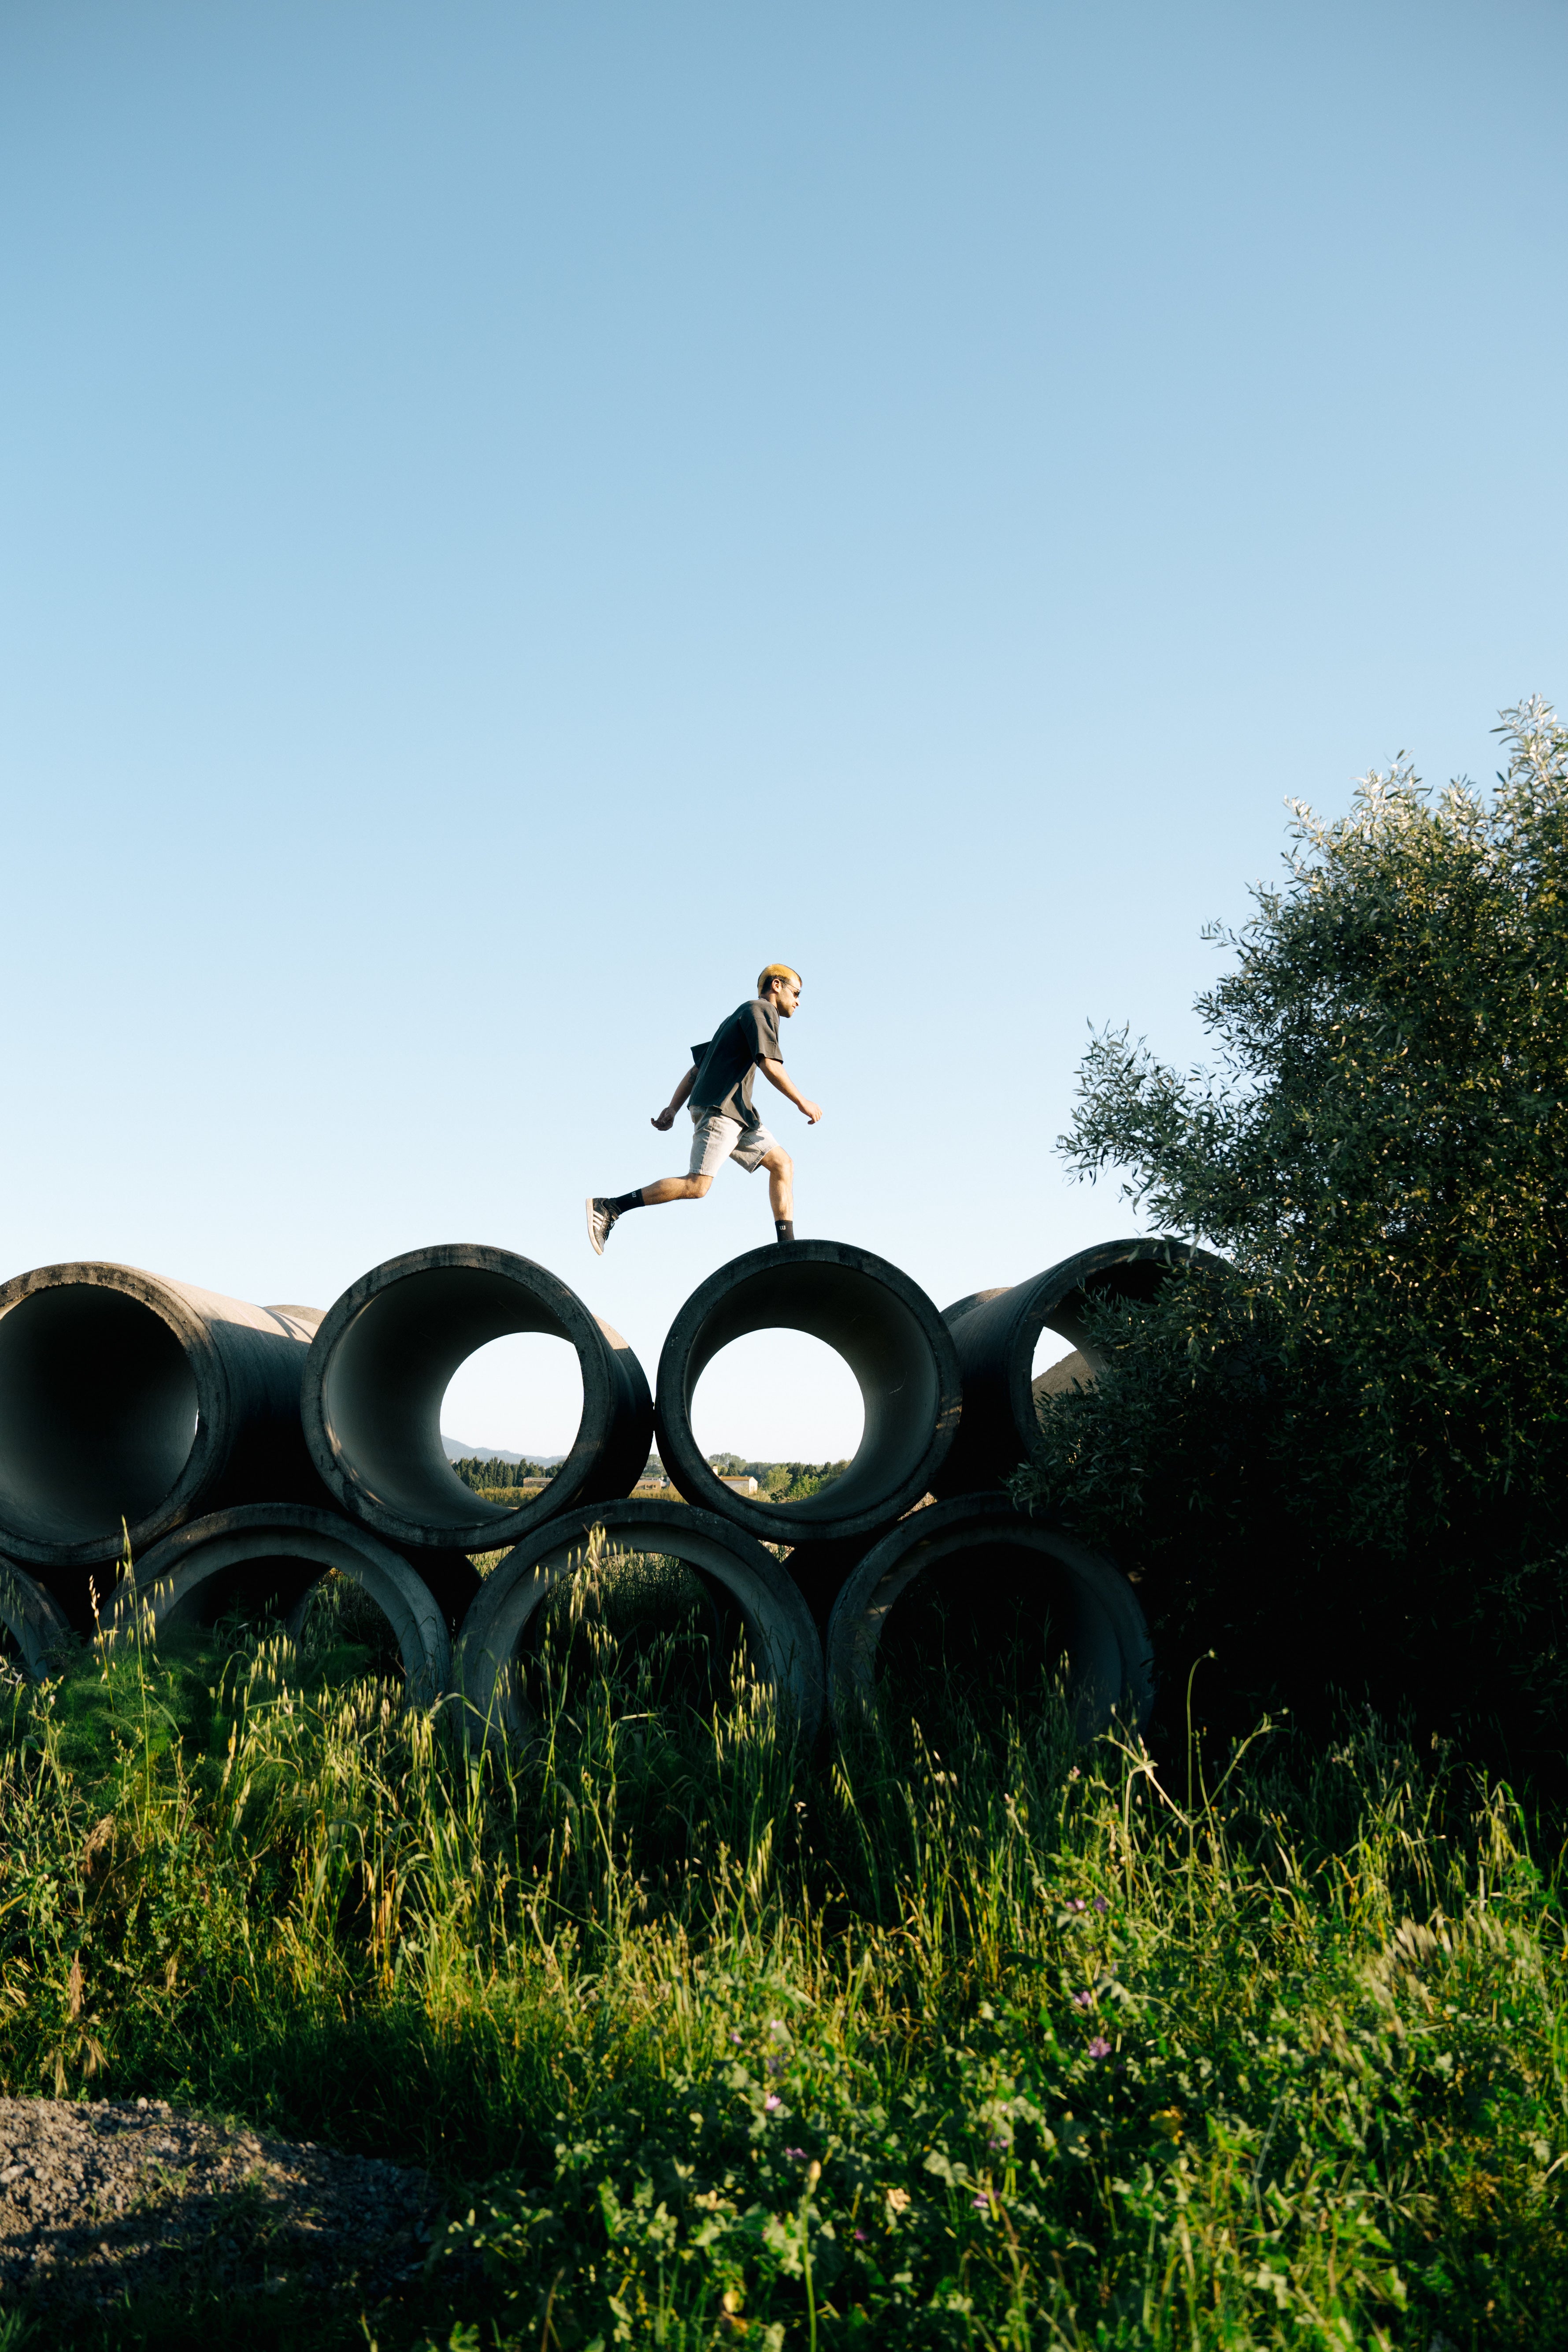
(719, 1084)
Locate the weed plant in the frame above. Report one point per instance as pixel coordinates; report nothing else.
(956, 2036)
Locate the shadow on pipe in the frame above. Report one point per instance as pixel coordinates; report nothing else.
(889, 1333)
(996, 1333)
(741, 1578)
(996, 1564)
(379, 1368)
(127, 1397)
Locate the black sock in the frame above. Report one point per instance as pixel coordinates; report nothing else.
(626, 1200)
(783, 1229)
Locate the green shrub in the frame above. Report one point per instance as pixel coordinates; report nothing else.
(1344, 1464)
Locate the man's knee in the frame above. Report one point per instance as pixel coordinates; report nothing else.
(699, 1186)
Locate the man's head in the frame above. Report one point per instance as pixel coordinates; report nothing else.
(778, 984)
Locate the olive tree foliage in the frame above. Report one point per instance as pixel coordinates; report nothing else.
(1344, 1463)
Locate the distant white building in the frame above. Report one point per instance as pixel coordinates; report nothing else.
(739, 1485)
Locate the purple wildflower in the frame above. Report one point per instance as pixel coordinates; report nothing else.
(1100, 2047)
(983, 2203)
(1077, 1904)
(859, 2237)
(773, 2103)
(1082, 2000)
(795, 2155)
(734, 2037)
(1101, 1906)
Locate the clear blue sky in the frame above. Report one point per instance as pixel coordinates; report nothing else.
(513, 516)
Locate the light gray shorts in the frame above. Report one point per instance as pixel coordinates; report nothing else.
(717, 1139)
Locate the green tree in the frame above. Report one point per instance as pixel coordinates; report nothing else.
(1345, 1461)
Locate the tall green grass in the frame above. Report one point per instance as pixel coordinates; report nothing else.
(955, 2037)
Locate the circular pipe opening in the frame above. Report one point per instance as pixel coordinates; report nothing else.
(99, 1413)
(384, 1358)
(741, 1580)
(989, 1563)
(263, 1556)
(880, 1323)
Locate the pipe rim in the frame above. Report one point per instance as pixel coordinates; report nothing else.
(797, 1523)
(494, 1625)
(175, 1568)
(215, 1408)
(33, 1619)
(607, 1365)
(871, 1592)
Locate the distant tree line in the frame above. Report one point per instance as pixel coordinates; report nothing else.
(781, 1482)
(496, 1473)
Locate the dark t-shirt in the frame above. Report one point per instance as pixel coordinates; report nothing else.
(724, 1066)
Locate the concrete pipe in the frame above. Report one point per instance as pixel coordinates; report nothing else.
(1092, 1610)
(378, 1369)
(746, 1580)
(887, 1332)
(275, 1552)
(996, 1333)
(33, 1620)
(126, 1397)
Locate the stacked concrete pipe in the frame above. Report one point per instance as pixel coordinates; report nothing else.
(995, 1332)
(892, 1339)
(377, 1371)
(283, 1552)
(269, 1445)
(742, 1577)
(129, 1403)
(1095, 1622)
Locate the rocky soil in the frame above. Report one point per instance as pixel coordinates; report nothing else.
(121, 2200)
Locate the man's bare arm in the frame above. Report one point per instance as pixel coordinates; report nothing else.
(665, 1119)
(777, 1076)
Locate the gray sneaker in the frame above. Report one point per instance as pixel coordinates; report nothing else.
(602, 1221)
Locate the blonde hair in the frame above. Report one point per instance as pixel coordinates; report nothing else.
(776, 971)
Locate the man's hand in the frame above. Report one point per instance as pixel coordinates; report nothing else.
(813, 1110)
(664, 1120)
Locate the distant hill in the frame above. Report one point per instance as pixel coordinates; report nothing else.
(459, 1449)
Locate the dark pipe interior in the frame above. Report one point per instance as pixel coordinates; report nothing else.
(642, 1607)
(246, 1592)
(389, 1373)
(884, 1346)
(1134, 1281)
(97, 1412)
(987, 1627)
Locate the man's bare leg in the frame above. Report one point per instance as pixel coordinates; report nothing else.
(781, 1190)
(675, 1188)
